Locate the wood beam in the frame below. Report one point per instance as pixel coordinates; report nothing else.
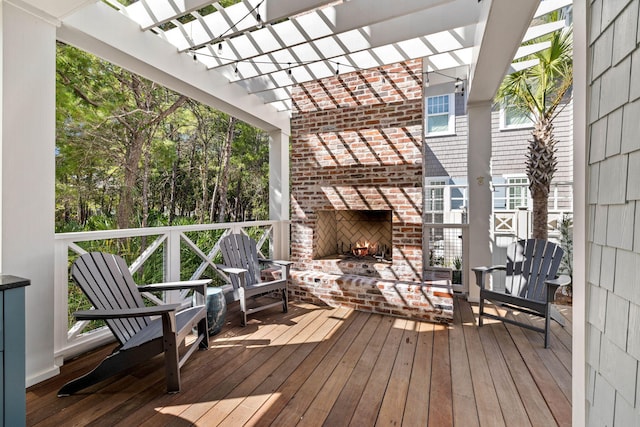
(504, 24)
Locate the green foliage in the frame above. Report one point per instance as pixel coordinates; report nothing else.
(566, 243)
(111, 124)
(103, 115)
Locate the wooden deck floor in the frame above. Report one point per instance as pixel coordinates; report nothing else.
(319, 366)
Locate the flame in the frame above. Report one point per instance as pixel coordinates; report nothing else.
(364, 248)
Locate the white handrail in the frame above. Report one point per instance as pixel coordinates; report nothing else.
(69, 340)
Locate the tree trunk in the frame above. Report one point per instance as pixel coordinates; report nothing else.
(131, 166)
(172, 187)
(140, 133)
(204, 184)
(224, 170)
(145, 189)
(212, 207)
(541, 166)
(540, 215)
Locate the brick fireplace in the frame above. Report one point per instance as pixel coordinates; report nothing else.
(356, 175)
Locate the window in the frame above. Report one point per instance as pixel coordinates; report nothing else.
(440, 118)
(515, 118)
(518, 194)
(435, 196)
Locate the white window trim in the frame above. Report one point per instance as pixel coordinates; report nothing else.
(452, 117)
(445, 183)
(509, 185)
(504, 126)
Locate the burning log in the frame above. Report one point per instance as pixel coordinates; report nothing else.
(365, 248)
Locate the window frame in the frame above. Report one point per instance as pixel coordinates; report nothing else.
(511, 185)
(435, 197)
(451, 122)
(503, 120)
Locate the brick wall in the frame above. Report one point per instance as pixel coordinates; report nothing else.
(613, 216)
(357, 144)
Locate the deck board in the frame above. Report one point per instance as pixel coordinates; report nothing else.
(489, 412)
(464, 402)
(318, 366)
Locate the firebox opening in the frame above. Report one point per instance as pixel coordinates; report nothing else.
(354, 234)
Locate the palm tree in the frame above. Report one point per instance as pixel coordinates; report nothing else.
(540, 90)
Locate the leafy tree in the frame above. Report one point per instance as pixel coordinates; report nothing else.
(541, 90)
(132, 153)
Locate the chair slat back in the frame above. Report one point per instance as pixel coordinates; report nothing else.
(106, 281)
(239, 251)
(529, 263)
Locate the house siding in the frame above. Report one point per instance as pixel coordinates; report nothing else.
(447, 155)
(613, 215)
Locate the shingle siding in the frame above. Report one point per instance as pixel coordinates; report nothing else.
(613, 215)
(447, 155)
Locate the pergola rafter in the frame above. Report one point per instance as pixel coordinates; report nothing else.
(306, 40)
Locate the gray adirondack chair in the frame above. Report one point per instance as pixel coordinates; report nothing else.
(109, 286)
(530, 285)
(242, 264)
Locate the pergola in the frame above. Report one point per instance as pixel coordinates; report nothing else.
(267, 46)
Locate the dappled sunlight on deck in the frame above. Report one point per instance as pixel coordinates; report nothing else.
(335, 366)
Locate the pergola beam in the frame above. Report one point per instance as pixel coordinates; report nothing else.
(503, 29)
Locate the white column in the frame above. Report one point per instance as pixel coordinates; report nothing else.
(580, 162)
(479, 175)
(27, 182)
(279, 191)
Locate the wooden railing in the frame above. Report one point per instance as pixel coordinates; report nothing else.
(72, 338)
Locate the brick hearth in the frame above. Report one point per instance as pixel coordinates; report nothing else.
(404, 299)
(357, 146)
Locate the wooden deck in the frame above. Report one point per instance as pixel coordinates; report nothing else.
(320, 366)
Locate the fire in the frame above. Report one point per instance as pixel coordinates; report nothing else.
(364, 248)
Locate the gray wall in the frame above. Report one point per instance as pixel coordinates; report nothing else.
(447, 155)
(613, 215)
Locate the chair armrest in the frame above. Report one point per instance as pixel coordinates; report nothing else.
(230, 270)
(481, 273)
(562, 280)
(275, 261)
(172, 286)
(490, 269)
(125, 312)
(198, 285)
(554, 284)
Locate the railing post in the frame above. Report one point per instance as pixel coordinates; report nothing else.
(465, 259)
(522, 223)
(60, 298)
(279, 190)
(172, 265)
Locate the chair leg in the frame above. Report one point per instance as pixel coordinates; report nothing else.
(243, 312)
(243, 307)
(481, 311)
(203, 332)
(171, 357)
(285, 301)
(547, 326)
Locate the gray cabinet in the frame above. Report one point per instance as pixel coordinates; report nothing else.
(13, 406)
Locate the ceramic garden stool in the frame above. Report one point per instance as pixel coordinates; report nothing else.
(216, 309)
